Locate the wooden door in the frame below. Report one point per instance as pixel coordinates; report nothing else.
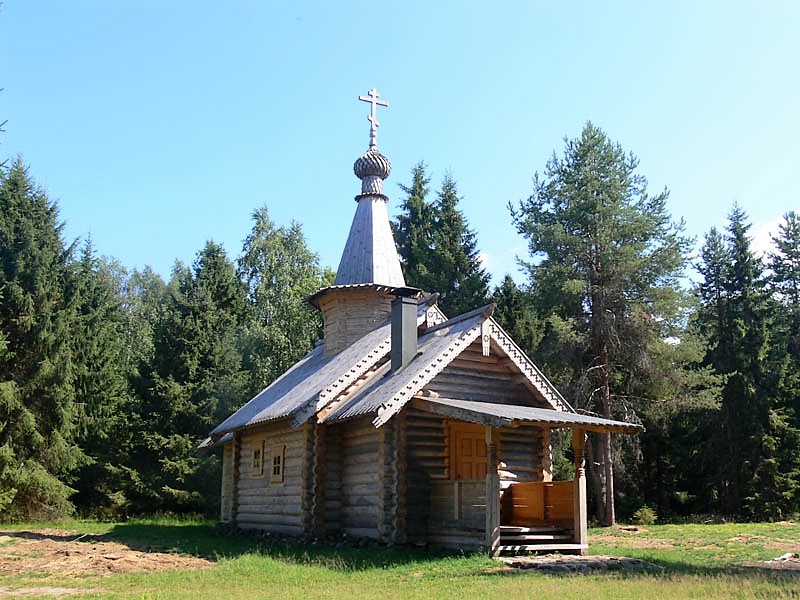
(467, 451)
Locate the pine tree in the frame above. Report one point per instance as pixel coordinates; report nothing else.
(606, 262)
(37, 411)
(279, 272)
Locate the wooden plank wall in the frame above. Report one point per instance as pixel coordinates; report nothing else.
(276, 507)
(226, 492)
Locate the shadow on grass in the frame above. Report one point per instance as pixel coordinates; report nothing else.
(206, 541)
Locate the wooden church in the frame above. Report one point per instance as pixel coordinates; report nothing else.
(405, 425)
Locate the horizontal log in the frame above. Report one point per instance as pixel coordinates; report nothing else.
(263, 500)
(293, 530)
(253, 515)
(456, 539)
(262, 483)
(360, 458)
(368, 497)
(470, 357)
(361, 532)
(354, 480)
(365, 450)
(272, 515)
(417, 439)
(365, 512)
(424, 424)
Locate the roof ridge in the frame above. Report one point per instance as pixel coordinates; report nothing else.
(486, 310)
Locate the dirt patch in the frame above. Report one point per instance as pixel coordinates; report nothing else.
(788, 563)
(632, 540)
(67, 554)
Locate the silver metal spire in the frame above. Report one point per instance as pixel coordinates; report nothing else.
(373, 98)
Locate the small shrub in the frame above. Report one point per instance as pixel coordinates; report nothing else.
(645, 516)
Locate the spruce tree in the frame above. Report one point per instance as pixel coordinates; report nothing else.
(755, 476)
(101, 382)
(514, 311)
(195, 380)
(437, 248)
(455, 266)
(606, 259)
(37, 412)
(413, 230)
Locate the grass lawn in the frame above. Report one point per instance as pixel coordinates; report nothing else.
(699, 561)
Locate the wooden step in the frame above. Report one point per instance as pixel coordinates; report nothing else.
(534, 537)
(541, 548)
(538, 529)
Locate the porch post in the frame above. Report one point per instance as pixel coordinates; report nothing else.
(579, 492)
(545, 471)
(492, 492)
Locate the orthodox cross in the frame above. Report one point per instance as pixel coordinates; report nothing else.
(373, 115)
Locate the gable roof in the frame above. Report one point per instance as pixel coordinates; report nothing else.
(311, 382)
(437, 348)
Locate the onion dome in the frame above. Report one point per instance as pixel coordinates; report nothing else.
(372, 168)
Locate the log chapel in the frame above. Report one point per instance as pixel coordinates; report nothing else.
(405, 425)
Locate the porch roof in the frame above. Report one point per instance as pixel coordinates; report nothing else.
(501, 415)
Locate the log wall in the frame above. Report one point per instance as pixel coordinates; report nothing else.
(260, 503)
(520, 454)
(350, 313)
(472, 376)
(226, 492)
(354, 502)
(426, 452)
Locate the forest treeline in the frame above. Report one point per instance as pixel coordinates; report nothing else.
(110, 378)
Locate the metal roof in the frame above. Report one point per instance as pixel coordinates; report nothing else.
(500, 415)
(433, 354)
(315, 377)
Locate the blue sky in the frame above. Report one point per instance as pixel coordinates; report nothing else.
(158, 125)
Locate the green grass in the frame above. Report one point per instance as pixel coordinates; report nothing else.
(699, 561)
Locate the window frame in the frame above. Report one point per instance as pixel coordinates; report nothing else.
(277, 469)
(257, 462)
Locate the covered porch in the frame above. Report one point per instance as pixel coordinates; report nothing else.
(497, 492)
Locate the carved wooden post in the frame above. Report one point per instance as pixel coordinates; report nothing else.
(579, 492)
(318, 481)
(492, 491)
(545, 472)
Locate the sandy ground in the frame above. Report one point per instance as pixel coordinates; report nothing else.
(67, 554)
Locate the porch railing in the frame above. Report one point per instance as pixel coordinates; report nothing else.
(539, 503)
